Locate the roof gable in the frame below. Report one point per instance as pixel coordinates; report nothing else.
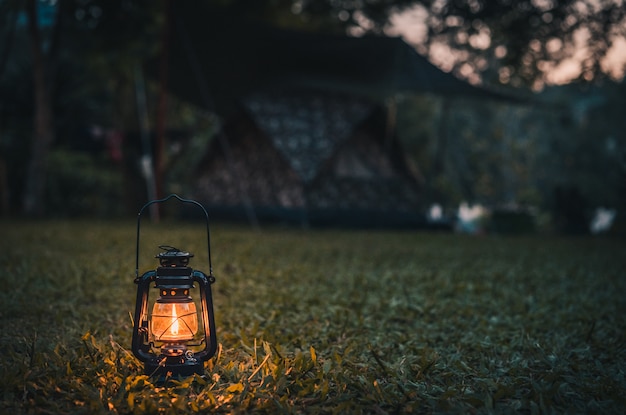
(308, 127)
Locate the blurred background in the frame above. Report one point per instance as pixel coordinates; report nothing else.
(471, 116)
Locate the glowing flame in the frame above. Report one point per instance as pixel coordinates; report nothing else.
(174, 325)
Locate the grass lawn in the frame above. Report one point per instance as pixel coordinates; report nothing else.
(320, 321)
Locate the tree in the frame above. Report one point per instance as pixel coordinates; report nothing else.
(522, 39)
(99, 32)
(44, 131)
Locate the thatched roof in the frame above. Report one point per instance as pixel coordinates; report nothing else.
(215, 62)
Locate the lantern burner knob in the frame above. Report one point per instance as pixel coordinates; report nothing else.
(173, 350)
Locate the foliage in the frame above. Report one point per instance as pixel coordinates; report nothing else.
(493, 154)
(56, 34)
(509, 42)
(320, 322)
(81, 185)
(515, 42)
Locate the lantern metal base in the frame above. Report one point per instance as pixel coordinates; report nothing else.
(173, 369)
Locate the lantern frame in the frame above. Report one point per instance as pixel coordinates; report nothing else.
(178, 361)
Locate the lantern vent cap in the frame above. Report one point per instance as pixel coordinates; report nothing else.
(172, 252)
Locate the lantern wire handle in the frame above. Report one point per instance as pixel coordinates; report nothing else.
(165, 199)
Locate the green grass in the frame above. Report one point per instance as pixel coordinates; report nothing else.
(320, 322)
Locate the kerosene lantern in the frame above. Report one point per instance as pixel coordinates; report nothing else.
(170, 334)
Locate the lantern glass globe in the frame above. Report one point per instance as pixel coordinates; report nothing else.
(174, 322)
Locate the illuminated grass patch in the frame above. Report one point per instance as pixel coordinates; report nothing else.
(320, 322)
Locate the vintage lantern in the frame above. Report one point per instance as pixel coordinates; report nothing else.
(172, 335)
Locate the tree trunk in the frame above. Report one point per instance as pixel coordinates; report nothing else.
(4, 58)
(43, 134)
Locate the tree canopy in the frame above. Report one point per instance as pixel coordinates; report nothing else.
(508, 41)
